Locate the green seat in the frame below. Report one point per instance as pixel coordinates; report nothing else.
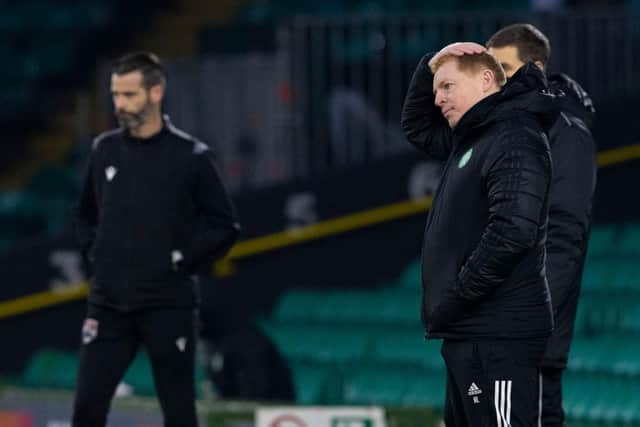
(55, 181)
(296, 306)
(408, 347)
(372, 385)
(629, 241)
(611, 273)
(315, 384)
(426, 389)
(602, 240)
(398, 306)
(607, 354)
(388, 305)
(320, 343)
(595, 275)
(631, 320)
(397, 385)
(139, 375)
(51, 368)
(412, 276)
(22, 214)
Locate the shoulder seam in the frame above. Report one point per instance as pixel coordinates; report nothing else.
(104, 135)
(199, 147)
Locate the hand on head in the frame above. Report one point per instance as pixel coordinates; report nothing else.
(458, 49)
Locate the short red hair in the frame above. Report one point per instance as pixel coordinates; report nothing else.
(473, 64)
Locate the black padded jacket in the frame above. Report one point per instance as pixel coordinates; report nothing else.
(483, 253)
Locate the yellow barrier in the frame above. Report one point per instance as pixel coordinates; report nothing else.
(242, 249)
(283, 239)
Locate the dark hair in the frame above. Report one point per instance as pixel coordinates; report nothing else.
(146, 62)
(531, 43)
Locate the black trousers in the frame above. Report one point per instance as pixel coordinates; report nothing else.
(110, 342)
(493, 383)
(552, 412)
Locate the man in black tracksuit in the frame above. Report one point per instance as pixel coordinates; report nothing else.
(152, 209)
(484, 289)
(571, 195)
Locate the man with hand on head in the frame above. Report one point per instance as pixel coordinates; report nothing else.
(484, 289)
(573, 153)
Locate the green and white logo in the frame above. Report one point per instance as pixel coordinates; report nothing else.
(465, 158)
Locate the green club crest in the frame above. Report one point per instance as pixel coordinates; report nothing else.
(465, 158)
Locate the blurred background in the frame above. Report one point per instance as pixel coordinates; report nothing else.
(319, 302)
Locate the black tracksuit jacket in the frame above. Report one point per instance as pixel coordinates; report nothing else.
(143, 199)
(483, 251)
(573, 153)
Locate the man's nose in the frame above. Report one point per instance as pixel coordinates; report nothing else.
(118, 102)
(439, 99)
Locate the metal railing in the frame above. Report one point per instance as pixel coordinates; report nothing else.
(331, 95)
(349, 75)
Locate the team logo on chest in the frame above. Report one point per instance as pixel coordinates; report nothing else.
(110, 172)
(465, 158)
(181, 343)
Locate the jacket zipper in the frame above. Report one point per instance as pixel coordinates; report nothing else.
(131, 168)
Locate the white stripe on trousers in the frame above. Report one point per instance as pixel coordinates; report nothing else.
(539, 399)
(502, 401)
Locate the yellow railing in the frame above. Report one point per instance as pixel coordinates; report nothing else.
(283, 239)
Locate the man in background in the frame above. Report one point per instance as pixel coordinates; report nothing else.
(571, 197)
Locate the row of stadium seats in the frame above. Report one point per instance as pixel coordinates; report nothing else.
(362, 347)
(43, 207)
(58, 370)
(344, 344)
(400, 307)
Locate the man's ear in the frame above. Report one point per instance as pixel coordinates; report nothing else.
(157, 93)
(488, 80)
(539, 64)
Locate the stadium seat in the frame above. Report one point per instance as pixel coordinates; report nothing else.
(22, 213)
(51, 368)
(139, 375)
(629, 242)
(608, 354)
(611, 273)
(412, 276)
(427, 389)
(601, 240)
(320, 343)
(375, 385)
(394, 385)
(408, 347)
(388, 305)
(316, 383)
